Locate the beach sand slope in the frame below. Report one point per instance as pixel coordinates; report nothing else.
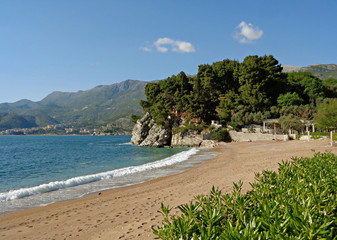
(129, 213)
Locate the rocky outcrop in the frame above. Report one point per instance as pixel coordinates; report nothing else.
(186, 139)
(190, 139)
(157, 137)
(147, 133)
(141, 129)
(208, 143)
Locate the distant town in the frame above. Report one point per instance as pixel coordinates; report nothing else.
(60, 129)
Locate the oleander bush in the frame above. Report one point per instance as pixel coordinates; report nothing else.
(298, 202)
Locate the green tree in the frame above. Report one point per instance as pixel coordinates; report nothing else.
(289, 99)
(183, 90)
(306, 85)
(135, 118)
(239, 117)
(304, 112)
(203, 100)
(261, 81)
(226, 76)
(291, 122)
(152, 90)
(326, 117)
(227, 106)
(330, 85)
(221, 135)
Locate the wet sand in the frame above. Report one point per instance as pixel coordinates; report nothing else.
(129, 213)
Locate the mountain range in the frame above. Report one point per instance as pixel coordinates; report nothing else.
(91, 108)
(322, 71)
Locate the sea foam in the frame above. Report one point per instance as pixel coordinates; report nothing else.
(72, 182)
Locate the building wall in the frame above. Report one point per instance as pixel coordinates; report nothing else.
(245, 137)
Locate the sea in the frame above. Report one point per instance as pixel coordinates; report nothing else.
(40, 170)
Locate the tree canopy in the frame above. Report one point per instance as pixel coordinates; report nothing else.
(326, 117)
(231, 91)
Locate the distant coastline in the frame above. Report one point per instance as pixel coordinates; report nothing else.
(60, 129)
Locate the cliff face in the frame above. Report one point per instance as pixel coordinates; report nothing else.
(147, 133)
(186, 139)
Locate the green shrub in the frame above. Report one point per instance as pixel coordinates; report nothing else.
(234, 125)
(299, 202)
(221, 135)
(211, 128)
(179, 130)
(318, 135)
(188, 119)
(135, 118)
(190, 127)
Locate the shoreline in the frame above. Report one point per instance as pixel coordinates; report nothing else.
(122, 177)
(129, 212)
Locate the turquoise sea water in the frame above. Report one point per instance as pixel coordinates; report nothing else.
(39, 170)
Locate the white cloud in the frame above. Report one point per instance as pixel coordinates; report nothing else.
(183, 47)
(247, 33)
(165, 44)
(146, 49)
(163, 41)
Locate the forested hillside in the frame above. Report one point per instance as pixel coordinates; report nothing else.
(111, 104)
(239, 93)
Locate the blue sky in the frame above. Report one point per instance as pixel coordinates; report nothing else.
(70, 45)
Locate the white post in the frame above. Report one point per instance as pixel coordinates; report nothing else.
(264, 126)
(331, 142)
(313, 127)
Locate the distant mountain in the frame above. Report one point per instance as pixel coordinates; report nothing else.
(90, 108)
(322, 71)
(13, 120)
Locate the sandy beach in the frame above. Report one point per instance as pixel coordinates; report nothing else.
(129, 213)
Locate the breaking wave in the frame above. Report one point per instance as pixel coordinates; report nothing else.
(72, 182)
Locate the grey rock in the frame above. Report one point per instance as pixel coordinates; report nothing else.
(147, 133)
(208, 143)
(186, 139)
(157, 137)
(141, 129)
